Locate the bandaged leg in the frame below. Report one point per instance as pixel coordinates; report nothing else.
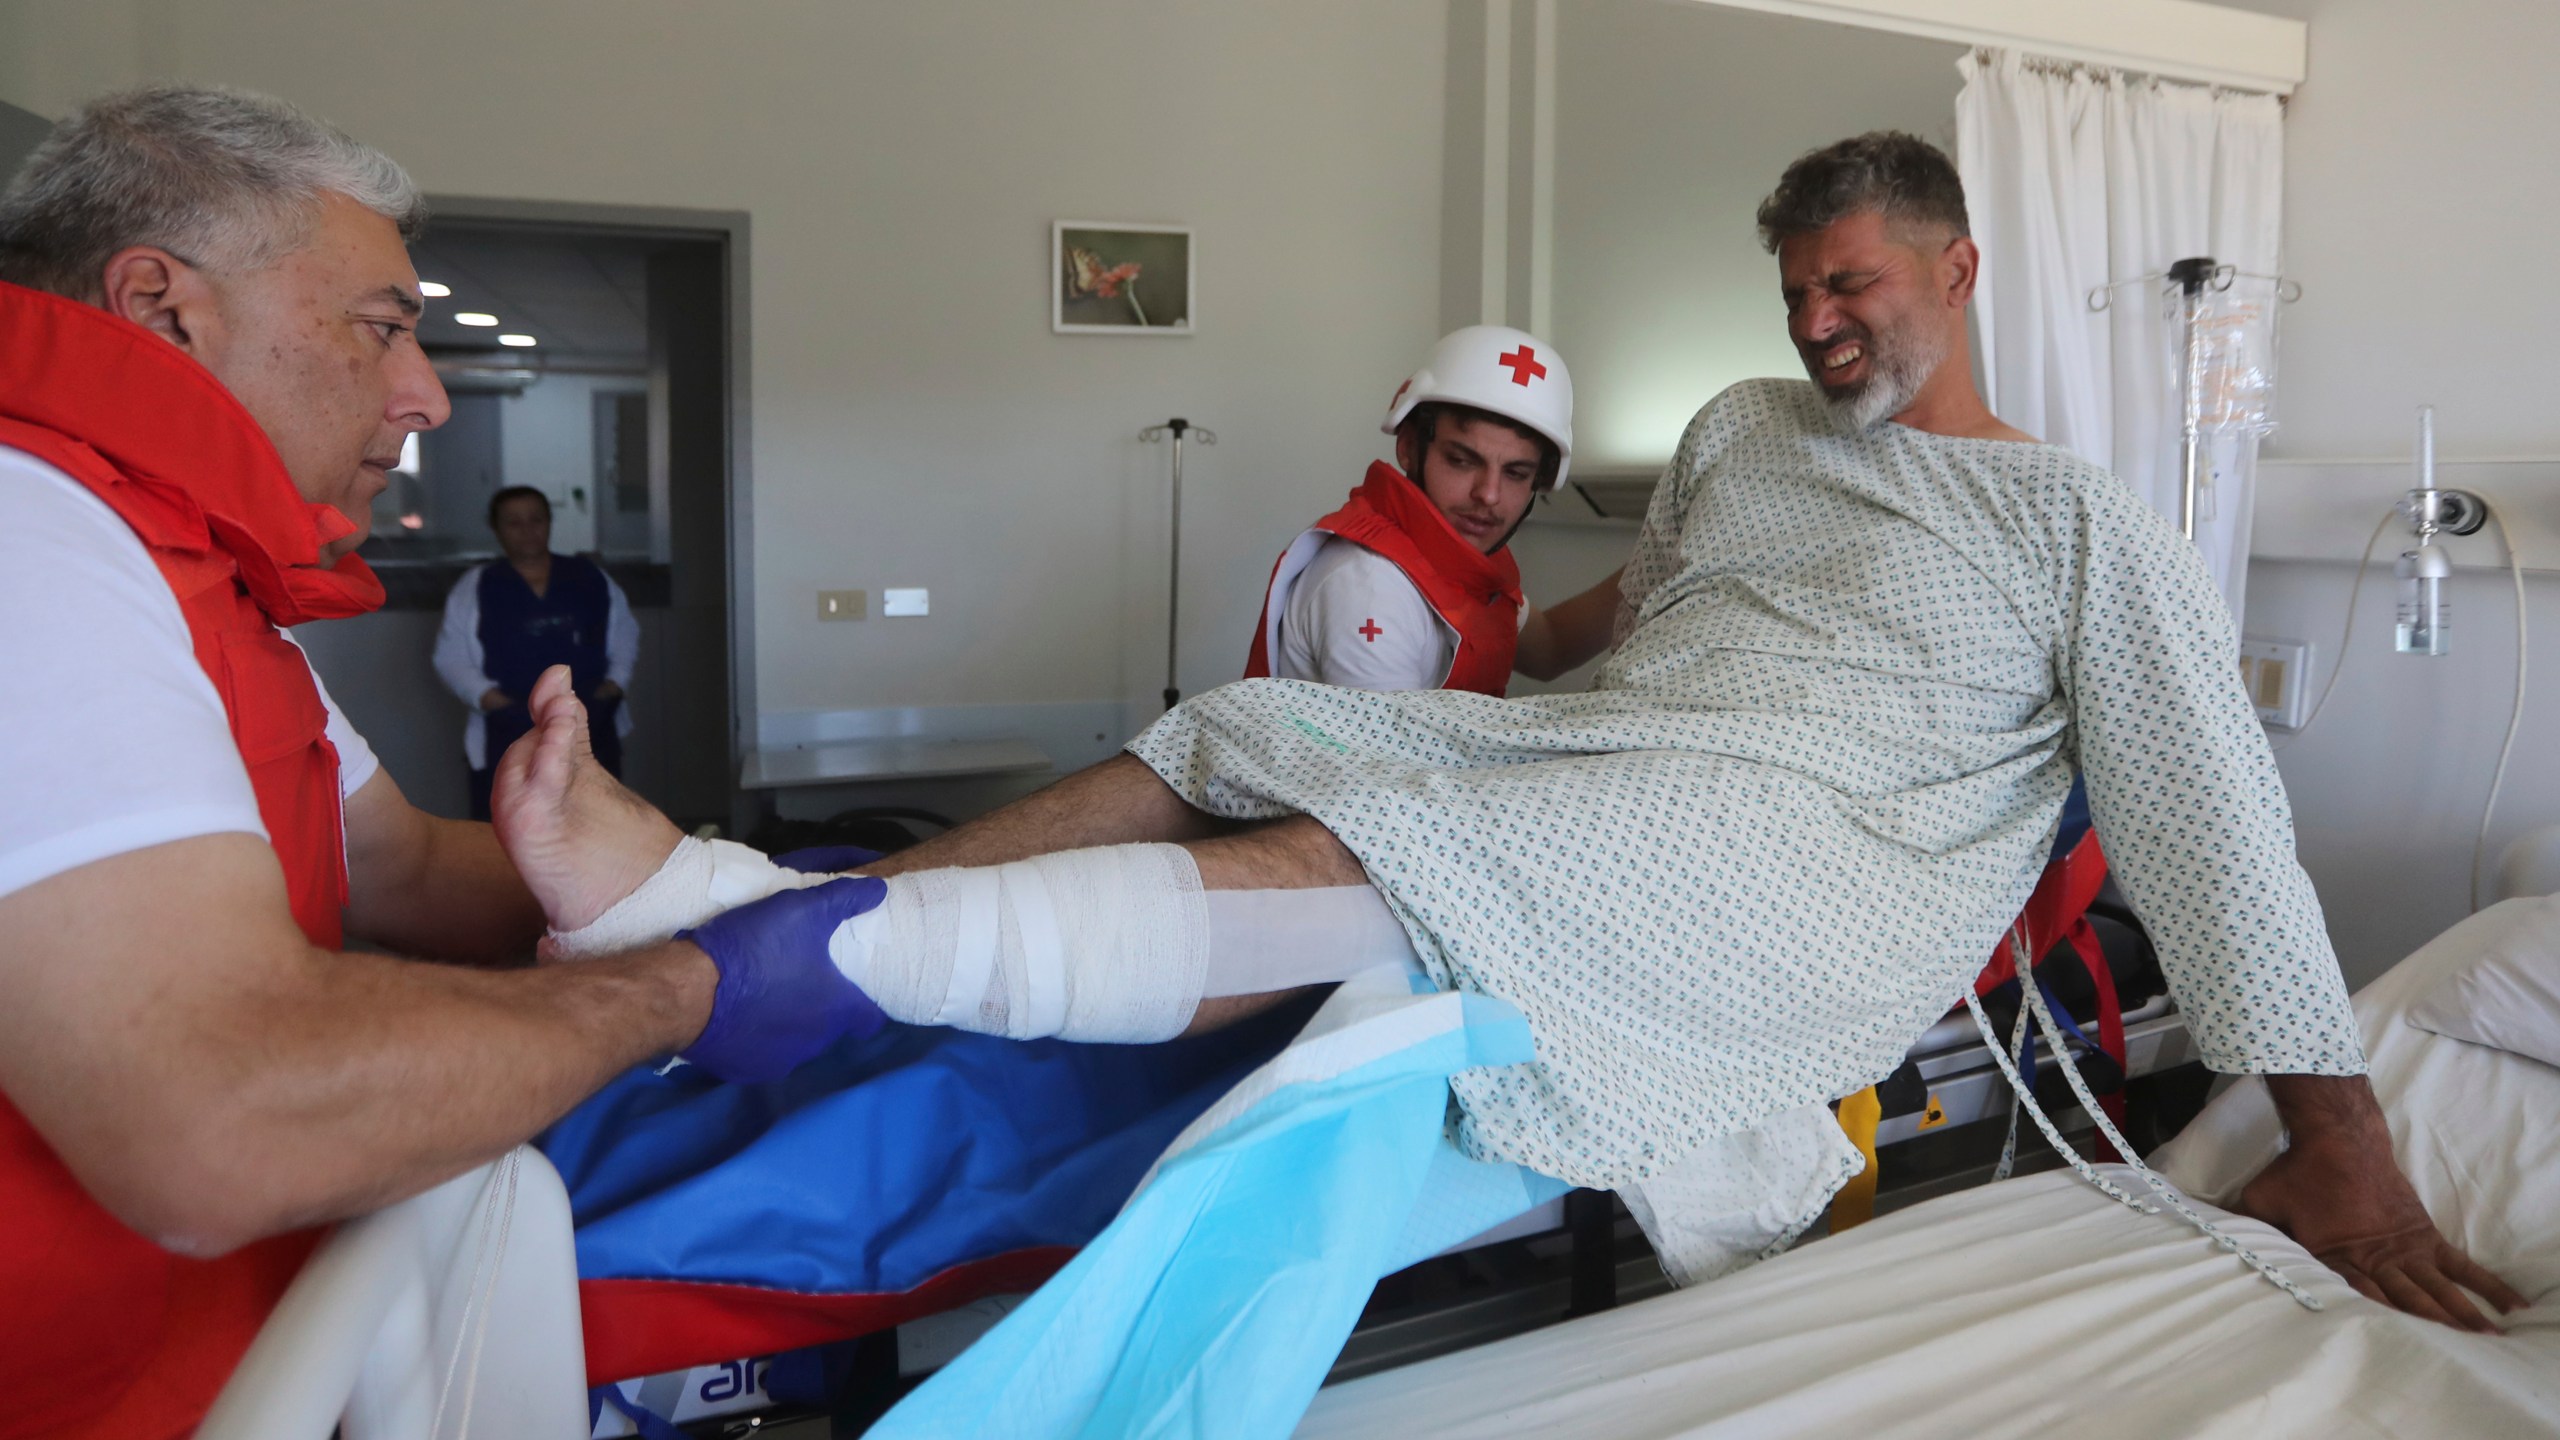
(1265, 941)
(1117, 943)
(700, 879)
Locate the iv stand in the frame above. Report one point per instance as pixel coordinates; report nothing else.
(1176, 427)
(2193, 276)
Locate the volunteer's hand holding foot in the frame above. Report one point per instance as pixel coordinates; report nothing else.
(781, 999)
(579, 838)
(584, 843)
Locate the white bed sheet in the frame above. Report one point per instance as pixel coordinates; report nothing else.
(2039, 1307)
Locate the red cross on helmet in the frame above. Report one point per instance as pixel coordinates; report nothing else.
(1510, 372)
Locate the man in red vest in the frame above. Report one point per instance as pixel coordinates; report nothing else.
(207, 365)
(1411, 584)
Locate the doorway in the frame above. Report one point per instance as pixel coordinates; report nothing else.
(595, 354)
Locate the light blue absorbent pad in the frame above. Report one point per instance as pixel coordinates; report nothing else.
(1216, 1301)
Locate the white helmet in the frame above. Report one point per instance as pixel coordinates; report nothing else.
(1511, 373)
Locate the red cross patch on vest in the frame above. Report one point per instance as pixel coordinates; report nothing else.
(1475, 594)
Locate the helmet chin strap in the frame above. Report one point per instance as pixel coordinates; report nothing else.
(1515, 525)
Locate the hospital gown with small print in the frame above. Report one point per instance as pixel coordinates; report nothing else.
(1809, 789)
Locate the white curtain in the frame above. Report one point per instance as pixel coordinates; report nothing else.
(2076, 177)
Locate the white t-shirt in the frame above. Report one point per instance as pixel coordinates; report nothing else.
(111, 737)
(1352, 618)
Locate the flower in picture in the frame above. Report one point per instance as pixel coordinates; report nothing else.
(1086, 275)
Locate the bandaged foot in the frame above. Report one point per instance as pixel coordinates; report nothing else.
(580, 840)
(699, 879)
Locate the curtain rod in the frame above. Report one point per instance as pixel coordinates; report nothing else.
(2183, 40)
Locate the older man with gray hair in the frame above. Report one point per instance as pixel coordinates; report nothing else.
(208, 362)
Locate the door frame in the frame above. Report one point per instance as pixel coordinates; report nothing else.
(728, 229)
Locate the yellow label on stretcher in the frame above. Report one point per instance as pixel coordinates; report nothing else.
(1935, 1115)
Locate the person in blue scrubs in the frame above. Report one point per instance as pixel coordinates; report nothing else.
(510, 619)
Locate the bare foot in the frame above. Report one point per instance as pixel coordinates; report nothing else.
(579, 838)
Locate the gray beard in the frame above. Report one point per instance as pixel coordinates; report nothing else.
(1903, 365)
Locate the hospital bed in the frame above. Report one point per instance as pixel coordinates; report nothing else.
(2036, 1306)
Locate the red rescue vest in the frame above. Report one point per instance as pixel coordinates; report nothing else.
(1476, 595)
(113, 1335)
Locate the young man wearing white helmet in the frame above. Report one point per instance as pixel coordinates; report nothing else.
(1411, 584)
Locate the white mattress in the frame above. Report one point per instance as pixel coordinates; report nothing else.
(2038, 1307)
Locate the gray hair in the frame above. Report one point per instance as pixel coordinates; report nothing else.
(223, 179)
(1902, 177)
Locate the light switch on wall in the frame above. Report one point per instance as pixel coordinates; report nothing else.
(2277, 675)
(842, 605)
(896, 603)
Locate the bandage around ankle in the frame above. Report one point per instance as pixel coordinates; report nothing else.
(1108, 944)
(699, 879)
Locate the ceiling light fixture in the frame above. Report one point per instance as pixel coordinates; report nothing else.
(521, 342)
(474, 317)
(433, 290)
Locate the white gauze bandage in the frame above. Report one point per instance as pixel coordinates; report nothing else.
(1108, 944)
(1265, 941)
(700, 879)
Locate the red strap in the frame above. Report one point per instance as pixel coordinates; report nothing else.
(2058, 911)
(2062, 896)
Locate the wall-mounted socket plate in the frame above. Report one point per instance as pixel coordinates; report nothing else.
(897, 603)
(2277, 675)
(843, 604)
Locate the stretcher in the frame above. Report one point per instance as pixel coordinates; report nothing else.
(924, 1173)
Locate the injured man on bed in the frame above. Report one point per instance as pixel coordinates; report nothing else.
(1869, 632)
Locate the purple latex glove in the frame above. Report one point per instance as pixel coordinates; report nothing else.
(781, 1000)
(826, 859)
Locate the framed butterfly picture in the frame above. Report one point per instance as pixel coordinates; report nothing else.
(1119, 279)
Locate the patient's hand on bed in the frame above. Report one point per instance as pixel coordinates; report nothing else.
(577, 836)
(2338, 1192)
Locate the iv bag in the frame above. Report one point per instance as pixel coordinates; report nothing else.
(2236, 355)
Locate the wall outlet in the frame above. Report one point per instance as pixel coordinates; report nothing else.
(843, 604)
(2277, 675)
(896, 603)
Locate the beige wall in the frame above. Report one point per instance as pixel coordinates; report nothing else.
(2420, 196)
(2420, 204)
(1673, 121)
(914, 420)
